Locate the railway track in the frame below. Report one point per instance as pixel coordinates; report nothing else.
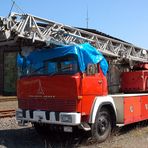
(7, 113)
(6, 99)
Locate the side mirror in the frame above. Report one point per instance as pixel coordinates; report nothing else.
(91, 69)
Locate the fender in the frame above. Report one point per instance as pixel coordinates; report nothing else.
(99, 101)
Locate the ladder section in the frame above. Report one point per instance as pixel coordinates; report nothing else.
(41, 30)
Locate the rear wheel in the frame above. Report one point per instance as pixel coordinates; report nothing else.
(101, 129)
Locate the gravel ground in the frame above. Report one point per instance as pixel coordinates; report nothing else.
(132, 136)
(13, 136)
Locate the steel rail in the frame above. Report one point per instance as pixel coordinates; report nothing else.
(7, 113)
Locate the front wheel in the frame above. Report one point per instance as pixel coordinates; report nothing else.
(101, 129)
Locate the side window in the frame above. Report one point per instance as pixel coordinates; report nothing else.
(50, 67)
(92, 69)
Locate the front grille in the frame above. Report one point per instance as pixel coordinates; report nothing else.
(24, 113)
(61, 105)
(31, 113)
(47, 114)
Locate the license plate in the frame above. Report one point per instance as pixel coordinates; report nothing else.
(67, 129)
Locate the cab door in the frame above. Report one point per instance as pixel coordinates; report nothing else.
(92, 81)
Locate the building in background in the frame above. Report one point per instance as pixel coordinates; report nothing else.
(8, 71)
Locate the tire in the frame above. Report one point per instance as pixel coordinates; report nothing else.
(101, 129)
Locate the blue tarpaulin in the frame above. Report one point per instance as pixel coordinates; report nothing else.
(86, 54)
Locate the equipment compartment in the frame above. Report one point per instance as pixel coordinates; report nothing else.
(136, 81)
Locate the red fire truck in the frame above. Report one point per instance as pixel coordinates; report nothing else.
(66, 84)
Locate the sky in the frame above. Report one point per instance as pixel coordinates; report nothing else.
(124, 19)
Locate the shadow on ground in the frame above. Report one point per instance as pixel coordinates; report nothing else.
(65, 140)
(131, 127)
(20, 138)
(29, 138)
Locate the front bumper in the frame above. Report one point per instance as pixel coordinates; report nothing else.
(48, 117)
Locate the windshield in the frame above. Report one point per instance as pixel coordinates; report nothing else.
(62, 65)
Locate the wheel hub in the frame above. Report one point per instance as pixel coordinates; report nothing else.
(102, 125)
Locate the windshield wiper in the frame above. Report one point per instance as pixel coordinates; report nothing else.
(38, 69)
(59, 71)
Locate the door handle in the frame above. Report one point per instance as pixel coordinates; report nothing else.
(100, 81)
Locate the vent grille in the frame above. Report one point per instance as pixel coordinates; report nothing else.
(61, 105)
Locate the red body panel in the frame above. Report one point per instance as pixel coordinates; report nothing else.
(135, 109)
(94, 85)
(57, 93)
(135, 81)
(144, 107)
(132, 109)
(63, 93)
(87, 104)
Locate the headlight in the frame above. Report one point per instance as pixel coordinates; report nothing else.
(66, 118)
